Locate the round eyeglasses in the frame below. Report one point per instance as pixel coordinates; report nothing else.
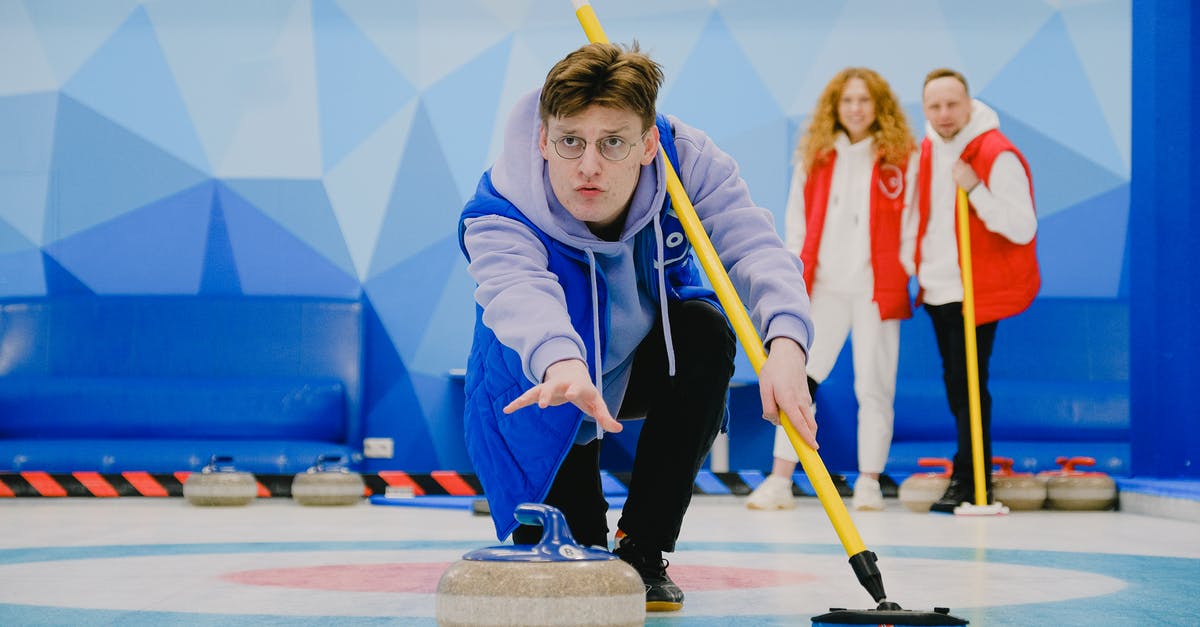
(613, 148)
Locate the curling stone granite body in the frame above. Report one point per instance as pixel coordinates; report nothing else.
(220, 484)
(555, 582)
(918, 492)
(1019, 491)
(328, 482)
(1076, 490)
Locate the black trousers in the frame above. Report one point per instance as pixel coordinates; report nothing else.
(948, 327)
(682, 417)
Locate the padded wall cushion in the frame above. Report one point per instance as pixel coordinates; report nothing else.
(249, 408)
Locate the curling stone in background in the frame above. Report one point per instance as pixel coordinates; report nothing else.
(554, 582)
(219, 483)
(1020, 491)
(920, 490)
(328, 482)
(1072, 489)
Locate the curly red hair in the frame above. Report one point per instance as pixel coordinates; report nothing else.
(893, 139)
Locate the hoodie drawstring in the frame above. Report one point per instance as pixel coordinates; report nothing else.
(660, 264)
(595, 330)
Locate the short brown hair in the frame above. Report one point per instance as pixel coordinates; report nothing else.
(944, 72)
(607, 75)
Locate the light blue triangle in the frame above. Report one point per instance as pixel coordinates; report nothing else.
(1086, 244)
(756, 27)
(764, 161)
(12, 240)
(406, 318)
(358, 88)
(360, 184)
(1101, 33)
(425, 203)
(26, 152)
(447, 339)
(1024, 87)
(985, 51)
(464, 138)
(271, 260)
(444, 49)
(71, 30)
(157, 249)
(219, 83)
(1061, 176)
(21, 269)
(393, 28)
(873, 34)
(19, 40)
(128, 81)
(302, 208)
(693, 99)
(101, 170)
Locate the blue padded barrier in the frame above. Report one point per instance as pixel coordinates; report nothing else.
(160, 383)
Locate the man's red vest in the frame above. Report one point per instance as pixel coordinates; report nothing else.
(887, 205)
(1006, 276)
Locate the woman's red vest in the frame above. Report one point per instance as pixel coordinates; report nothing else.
(887, 206)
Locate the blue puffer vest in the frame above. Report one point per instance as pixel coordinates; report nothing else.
(516, 456)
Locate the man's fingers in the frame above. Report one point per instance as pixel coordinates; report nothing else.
(524, 400)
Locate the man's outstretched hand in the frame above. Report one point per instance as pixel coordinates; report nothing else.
(568, 381)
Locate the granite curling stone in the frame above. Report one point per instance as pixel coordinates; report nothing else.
(1071, 489)
(328, 482)
(1020, 491)
(220, 484)
(920, 490)
(554, 582)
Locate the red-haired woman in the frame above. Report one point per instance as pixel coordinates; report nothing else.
(851, 185)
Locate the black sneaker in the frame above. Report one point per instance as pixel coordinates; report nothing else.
(957, 493)
(662, 595)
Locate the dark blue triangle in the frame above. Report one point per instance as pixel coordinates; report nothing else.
(220, 275)
(60, 281)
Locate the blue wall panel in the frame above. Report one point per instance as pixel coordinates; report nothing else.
(326, 147)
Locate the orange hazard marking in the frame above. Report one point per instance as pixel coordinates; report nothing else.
(401, 478)
(43, 483)
(95, 484)
(145, 484)
(5, 491)
(262, 490)
(453, 482)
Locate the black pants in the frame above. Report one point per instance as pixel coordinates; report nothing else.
(682, 417)
(948, 326)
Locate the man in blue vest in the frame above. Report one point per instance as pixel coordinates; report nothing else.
(591, 309)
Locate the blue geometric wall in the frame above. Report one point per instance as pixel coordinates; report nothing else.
(326, 147)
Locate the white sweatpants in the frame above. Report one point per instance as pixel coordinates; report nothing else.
(875, 347)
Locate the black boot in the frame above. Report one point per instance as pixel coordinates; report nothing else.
(957, 492)
(662, 595)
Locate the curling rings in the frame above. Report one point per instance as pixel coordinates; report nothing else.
(1072, 489)
(220, 484)
(1020, 491)
(553, 582)
(328, 482)
(921, 490)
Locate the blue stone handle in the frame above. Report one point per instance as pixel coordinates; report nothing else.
(555, 531)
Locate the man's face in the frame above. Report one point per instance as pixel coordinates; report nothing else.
(947, 106)
(595, 189)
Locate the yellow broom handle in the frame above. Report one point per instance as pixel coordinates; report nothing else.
(968, 313)
(818, 475)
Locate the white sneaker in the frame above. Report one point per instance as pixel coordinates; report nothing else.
(867, 495)
(774, 492)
